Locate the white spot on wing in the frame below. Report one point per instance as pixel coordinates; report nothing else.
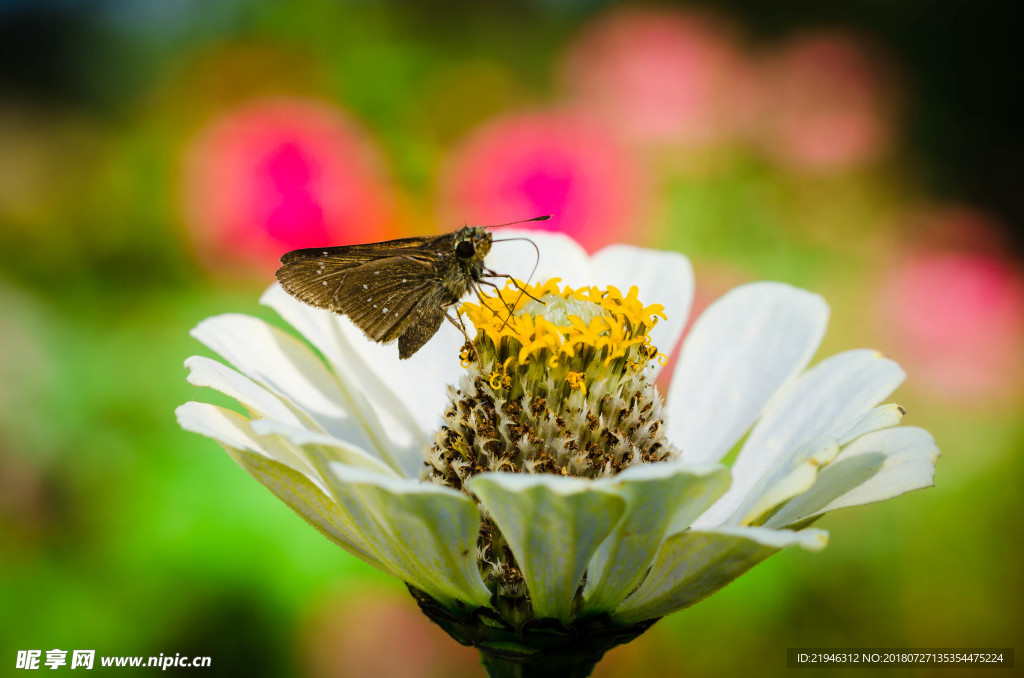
(385, 311)
(365, 286)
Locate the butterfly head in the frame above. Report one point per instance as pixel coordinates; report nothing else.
(472, 243)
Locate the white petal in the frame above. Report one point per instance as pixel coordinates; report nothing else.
(825, 401)
(553, 526)
(423, 534)
(420, 382)
(874, 467)
(692, 565)
(740, 352)
(206, 372)
(304, 492)
(321, 448)
(232, 430)
(658, 497)
(664, 278)
(273, 417)
(881, 417)
(346, 348)
(560, 257)
(314, 324)
(288, 368)
(426, 534)
(791, 475)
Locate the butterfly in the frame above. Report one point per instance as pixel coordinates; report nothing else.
(397, 289)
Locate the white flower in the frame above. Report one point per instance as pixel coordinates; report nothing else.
(342, 441)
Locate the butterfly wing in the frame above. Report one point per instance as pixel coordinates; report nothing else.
(387, 289)
(389, 295)
(420, 329)
(321, 276)
(352, 255)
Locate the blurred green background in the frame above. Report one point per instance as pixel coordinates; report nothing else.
(157, 157)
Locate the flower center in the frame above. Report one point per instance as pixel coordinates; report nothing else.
(551, 326)
(556, 382)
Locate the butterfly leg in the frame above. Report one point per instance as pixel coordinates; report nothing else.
(510, 309)
(522, 290)
(457, 322)
(461, 327)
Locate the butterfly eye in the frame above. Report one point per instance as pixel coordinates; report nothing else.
(465, 249)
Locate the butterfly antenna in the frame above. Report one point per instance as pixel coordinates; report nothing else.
(536, 262)
(521, 221)
(522, 290)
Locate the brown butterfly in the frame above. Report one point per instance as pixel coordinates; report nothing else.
(398, 289)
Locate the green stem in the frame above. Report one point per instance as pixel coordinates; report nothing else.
(543, 666)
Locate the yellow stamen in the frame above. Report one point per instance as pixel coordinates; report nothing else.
(501, 377)
(467, 355)
(616, 323)
(576, 382)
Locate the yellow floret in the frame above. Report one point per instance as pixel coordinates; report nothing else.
(616, 322)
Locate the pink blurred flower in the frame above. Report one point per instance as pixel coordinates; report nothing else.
(282, 174)
(554, 163)
(956, 315)
(824, 104)
(658, 75)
